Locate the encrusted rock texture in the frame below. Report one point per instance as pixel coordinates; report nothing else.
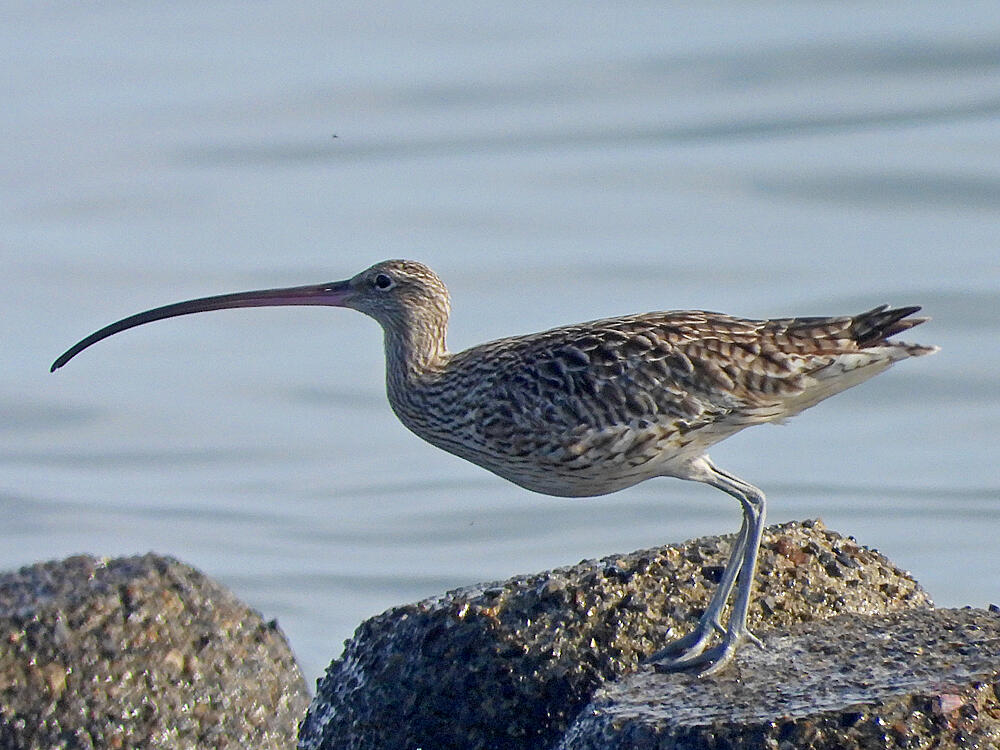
(919, 679)
(510, 665)
(139, 652)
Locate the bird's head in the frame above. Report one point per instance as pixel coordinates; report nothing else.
(399, 294)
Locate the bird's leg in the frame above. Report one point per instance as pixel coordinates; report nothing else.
(753, 502)
(739, 574)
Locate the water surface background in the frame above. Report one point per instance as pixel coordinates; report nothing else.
(554, 162)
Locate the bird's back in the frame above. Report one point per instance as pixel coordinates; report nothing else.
(592, 408)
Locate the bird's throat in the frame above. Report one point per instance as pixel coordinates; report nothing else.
(412, 354)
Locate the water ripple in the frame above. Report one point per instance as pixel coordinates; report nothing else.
(780, 125)
(882, 190)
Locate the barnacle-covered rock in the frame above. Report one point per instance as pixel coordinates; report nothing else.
(510, 664)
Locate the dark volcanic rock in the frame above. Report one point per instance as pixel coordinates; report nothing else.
(139, 652)
(509, 665)
(916, 679)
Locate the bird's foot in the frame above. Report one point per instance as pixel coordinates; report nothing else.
(691, 653)
(688, 646)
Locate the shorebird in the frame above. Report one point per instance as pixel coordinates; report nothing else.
(593, 408)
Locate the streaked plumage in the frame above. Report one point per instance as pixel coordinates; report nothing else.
(593, 408)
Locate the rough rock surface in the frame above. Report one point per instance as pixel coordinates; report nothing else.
(139, 652)
(918, 679)
(510, 665)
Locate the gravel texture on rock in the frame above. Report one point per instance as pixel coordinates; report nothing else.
(139, 652)
(919, 679)
(510, 664)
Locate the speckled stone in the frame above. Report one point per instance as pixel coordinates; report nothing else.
(509, 665)
(918, 679)
(139, 652)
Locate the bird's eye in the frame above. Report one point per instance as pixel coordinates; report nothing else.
(383, 281)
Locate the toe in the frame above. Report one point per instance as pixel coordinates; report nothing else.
(682, 649)
(697, 658)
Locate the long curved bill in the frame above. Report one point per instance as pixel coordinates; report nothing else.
(334, 294)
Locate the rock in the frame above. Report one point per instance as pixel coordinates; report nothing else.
(139, 652)
(916, 679)
(510, 665)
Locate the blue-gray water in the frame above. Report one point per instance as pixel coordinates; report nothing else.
(553, 164)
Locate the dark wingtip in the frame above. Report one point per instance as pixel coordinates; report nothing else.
(878, 324)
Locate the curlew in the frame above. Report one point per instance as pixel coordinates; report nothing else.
(593, 408)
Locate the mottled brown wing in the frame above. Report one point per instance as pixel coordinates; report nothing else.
(687, 369)
(676, 370)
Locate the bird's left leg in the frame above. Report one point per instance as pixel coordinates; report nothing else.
(739, 572)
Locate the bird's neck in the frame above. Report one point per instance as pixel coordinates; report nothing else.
(413, 353)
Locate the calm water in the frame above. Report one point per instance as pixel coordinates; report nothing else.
(553, 164)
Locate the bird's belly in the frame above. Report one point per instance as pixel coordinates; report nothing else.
(563, 471)
(559, 484)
